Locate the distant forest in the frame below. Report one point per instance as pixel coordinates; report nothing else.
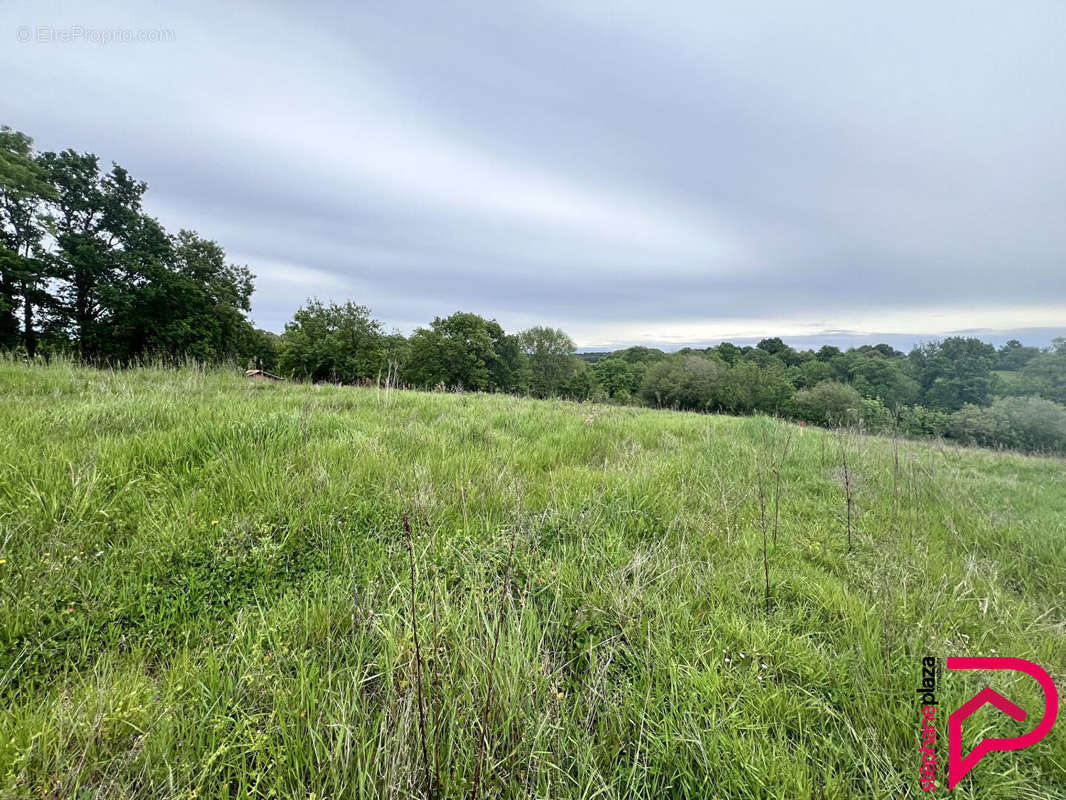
(86, 273)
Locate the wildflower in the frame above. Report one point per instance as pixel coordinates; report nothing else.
(3, 561)
(214, 522)
(559, 695)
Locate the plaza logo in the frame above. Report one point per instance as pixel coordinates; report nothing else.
(959, 765)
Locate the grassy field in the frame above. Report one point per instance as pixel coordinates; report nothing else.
(205, 591)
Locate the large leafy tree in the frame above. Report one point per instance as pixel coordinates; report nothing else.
(24, 193)
(751, 386)
(183, 300)
(619, 380)
(465, 351)
(954, 372)
(331, 342)
(878, 376)
(829, 403)
(550, 354)
(684, 381)
(76, 245)
(102, 238)
(263, 349)
(1014, 355)
(1045, 375)
(779, 349)
(810, 373)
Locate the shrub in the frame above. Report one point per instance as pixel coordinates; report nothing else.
(617, 377)
(829, 404)
(1023, 423)
(874, 416)
(750, 387)
(918, 420)
(683, 381)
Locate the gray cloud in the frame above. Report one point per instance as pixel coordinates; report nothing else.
(672, 172)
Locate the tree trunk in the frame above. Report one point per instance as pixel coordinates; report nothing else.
(29, 335)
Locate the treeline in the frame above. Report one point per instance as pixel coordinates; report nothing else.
(83, 270)
(961, 388)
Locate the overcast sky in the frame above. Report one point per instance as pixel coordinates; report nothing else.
(658, 172)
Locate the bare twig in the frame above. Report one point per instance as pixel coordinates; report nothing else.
(777, 488)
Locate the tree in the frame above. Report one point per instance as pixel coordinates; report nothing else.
(827, 353)
(86, 266)
(810, 373)
(582, 385)
(761, 357)
(638, 354)
(396, 349)
(618, 378)
(954, 372)
(1033, 424)
(24, 192)
(749, 387)
(263, 350)
(550, 355)
(683, 381)
(880, 377)
(331, 342)
(882, 350)
(1045, 375)
(778, 349)
(100, 235)
(728, 352)
(829, 404)
(1013, 356)
(510, 370)
(465, 351)
(181, 300)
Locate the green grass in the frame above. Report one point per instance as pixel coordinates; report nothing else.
(205, 592)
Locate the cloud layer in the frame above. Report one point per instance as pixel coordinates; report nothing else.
(669, 172)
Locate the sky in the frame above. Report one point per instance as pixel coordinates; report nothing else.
(669, 173)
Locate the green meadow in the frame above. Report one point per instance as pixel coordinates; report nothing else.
(207, 591)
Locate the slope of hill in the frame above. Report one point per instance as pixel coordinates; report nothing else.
(206, 591)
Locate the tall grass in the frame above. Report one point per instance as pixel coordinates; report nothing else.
(206, 590)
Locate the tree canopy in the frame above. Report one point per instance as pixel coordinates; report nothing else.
(85, 270)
